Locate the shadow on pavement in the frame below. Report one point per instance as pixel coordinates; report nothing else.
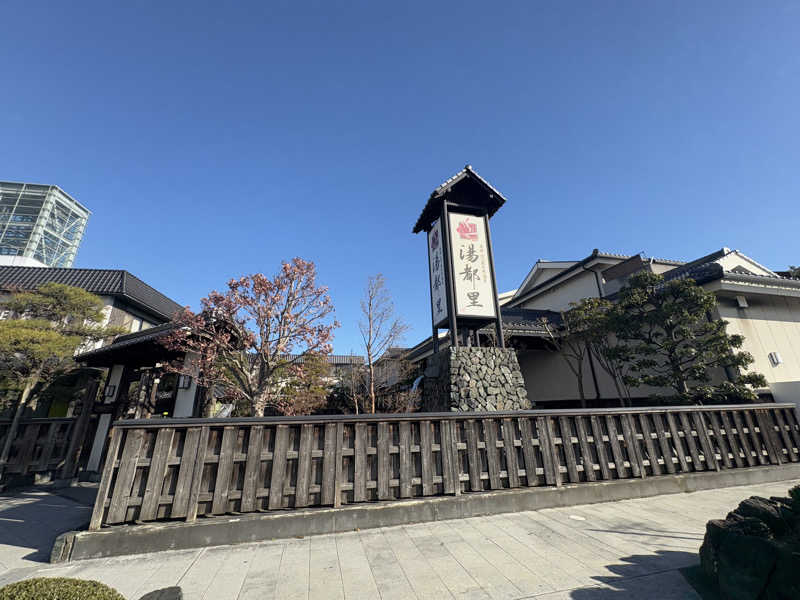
(31, 520)
(170, 593)
(664, 580)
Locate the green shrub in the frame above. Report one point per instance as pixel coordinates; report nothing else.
(58, 588)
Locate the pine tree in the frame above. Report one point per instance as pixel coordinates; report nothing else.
(667, 336)
(50, 324)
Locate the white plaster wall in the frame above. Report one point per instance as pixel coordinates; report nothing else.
(734, 259)
(548, 377)
(581, 285)
(769, 324)
(786, 391)
(184, 399)
(114, 378)
(661, 268)
(100, 435)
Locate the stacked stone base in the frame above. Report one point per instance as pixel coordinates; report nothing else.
(474, 379)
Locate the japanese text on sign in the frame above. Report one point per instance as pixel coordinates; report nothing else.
(471, 269)
(438, 283)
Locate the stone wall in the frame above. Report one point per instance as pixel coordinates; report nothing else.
(474, 379)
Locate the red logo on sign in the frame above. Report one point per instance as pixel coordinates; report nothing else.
(467, 230)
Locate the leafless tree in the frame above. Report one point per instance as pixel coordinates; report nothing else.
(572, 347)
(380, 327)
(355, 385)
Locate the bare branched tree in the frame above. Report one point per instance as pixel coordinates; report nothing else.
(571, 344)
(380, 327)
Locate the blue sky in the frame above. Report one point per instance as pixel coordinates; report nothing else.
(212, 140)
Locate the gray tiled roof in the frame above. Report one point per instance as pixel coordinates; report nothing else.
(701, 273)
(467, 170)
(131, 339)
(111, 282)
(528, 320)
(491, 200)
(522, 322)
(333, 359)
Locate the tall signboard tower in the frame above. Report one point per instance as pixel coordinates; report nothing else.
(462, 279)
(464, 299)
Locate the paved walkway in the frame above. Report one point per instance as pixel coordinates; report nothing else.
(613, 551)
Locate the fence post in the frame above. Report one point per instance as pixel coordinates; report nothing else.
(79, 432)
(547, 444)
(105, 481)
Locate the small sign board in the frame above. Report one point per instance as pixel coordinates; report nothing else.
(437, 272)
(472, 273)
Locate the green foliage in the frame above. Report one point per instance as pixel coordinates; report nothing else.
(28, 345)
(71, 310)
(305, 385)
(667, 338)
(584, 332)
(58, 588)
(590, 323)
(661, 334)
(51, 323)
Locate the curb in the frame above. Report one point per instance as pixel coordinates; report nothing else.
(225, 530)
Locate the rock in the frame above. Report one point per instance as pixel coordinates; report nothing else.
(774, 514)
(754, 553)
(744, 566)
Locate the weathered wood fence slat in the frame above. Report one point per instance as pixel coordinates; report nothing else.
(185, 468)
(40, 446)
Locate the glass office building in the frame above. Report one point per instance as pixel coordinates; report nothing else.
(39, 224)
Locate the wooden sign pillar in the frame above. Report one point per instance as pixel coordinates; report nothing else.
(461, 263)
(464, 297)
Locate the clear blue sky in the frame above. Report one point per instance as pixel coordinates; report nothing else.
(212, 139)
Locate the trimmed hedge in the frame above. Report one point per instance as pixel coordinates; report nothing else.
(58, 588)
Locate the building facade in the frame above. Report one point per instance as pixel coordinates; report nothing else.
(129, 303)
(134, 306)
(758, 303)
(40, 225)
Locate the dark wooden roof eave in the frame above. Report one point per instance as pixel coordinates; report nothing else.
(135, 349)
(492, 199)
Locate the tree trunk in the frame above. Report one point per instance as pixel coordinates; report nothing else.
(622, 400)
(372, 385)
(12, 430)
(206, 401)
(580, 388)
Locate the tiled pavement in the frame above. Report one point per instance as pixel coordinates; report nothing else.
(612, 551)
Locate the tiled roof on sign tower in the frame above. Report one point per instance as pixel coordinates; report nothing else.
(464, 183)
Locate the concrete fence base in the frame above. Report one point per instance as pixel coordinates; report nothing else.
(217, 531)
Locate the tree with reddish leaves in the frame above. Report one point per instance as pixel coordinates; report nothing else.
(245, 339)
(206, 341)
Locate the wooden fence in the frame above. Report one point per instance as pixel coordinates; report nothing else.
(40, 446)
(182, 468)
